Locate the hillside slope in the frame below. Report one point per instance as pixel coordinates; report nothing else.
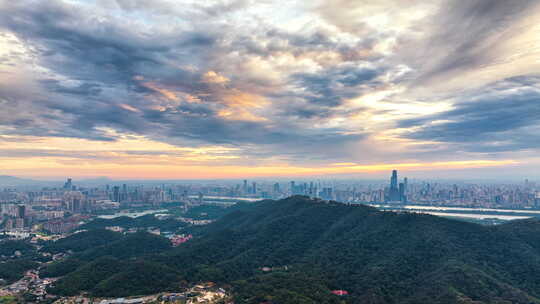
(379, 257)
(308, 248)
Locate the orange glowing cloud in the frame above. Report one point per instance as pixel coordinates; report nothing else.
(213, 77)
(164, 92)
(240, 106)
(129, 108)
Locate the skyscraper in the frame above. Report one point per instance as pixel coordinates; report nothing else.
(245, 187)
(276, 189)
(402, 196)
(327, 193)
(116, 194)
(393, 194)
(406, 184)
(124, 194)
(393, 180)
(21, 211)
(68, 185)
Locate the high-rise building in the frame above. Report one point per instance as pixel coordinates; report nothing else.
(406, 184)
(327, 193)
(393, 193)
(124, 195)
(68, 185)
(9, 224)
(402, 196)
(21, 211)
(116, 194)
(276, 190)
(393, 179)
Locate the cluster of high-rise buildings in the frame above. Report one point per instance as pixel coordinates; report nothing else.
(397, 191)
(490, 195)
(48, 207)
(24, 209)
(59, 209)
(478, 195)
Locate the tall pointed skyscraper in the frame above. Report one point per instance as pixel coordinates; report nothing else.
(393, 180)
(393, 194)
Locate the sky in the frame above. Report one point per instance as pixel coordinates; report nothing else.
(163, 89)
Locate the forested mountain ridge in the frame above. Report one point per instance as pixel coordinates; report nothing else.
(309, 247)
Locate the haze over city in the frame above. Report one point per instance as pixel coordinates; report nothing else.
(132, 89)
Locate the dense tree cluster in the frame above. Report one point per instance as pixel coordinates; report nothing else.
(145, 221)
(82, 241)
(16, 257)
(298, 250)
(13, 270)
(109, 266)
(9, 247)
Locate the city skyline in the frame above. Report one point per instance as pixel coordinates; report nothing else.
(238, 89)
(397, 193)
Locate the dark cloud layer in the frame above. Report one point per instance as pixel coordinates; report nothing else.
(467, 36)
(507, 122)
(191, 75)
(331, 87)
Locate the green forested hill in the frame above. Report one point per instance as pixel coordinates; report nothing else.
(115, 267)
(314, 247)
(82, 241)
(144, 221)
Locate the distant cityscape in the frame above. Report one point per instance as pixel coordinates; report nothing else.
(40, 216)
(59, 209)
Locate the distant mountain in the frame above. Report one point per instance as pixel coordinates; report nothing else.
(12, 181)
(298, 250)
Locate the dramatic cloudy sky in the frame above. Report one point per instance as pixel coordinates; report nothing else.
(240, 88)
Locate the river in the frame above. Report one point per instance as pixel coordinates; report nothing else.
(475, 213)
